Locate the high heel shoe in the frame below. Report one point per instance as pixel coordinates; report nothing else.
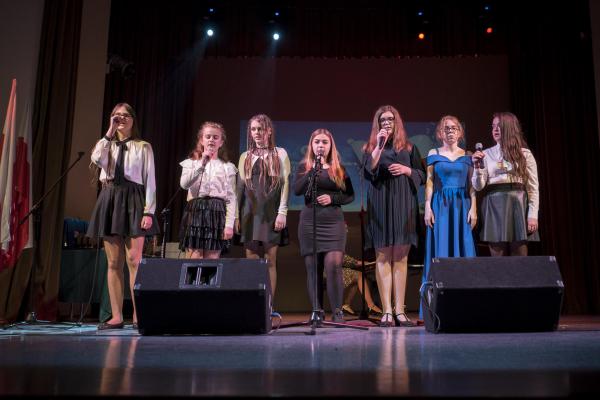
(374, 310)
(387, 321)
(401, 319)
(347, 309)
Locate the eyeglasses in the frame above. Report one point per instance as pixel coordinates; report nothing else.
(494, 126)
(124, 116)
(451, 128)
(388, 119)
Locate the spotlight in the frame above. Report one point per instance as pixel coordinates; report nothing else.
(210, 32)
(421, 36)
(489, 30)
(211, 10)
(276, 36)
(486, 7)
(420, 13)
(277, 13)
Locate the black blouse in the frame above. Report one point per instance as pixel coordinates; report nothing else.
(325, 185)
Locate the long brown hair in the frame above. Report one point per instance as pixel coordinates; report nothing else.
(273, 165)
(512, 143)
(196, 154)
(399, 135)
(336, 172)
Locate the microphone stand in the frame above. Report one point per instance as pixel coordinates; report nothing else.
(315, 320)
(31, 318)
(166, 212)
(364, 312)
(166, 217)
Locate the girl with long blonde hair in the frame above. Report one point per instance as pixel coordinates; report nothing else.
(322, 166)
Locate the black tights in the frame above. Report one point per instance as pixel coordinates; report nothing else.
(331, 262)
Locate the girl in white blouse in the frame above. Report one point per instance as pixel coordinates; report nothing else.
(510, 205)
(263, 190)
(207, 222)
(124, 211)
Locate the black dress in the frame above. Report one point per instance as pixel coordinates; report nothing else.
(258, 206)
(392, 203)
(331, 229)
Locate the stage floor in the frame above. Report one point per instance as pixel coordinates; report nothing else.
(80, 361)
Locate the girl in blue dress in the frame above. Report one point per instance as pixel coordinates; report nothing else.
(450, 207)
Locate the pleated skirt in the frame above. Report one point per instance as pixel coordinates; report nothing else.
(118, 212)
(203, 224)
(504, 214)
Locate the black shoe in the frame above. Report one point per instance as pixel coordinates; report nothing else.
(338, 316)
(387, 321)
(105, 325)
(401, 319)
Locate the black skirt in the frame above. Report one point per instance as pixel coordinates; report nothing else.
(331, 230)
(119, 211)
(203, 225)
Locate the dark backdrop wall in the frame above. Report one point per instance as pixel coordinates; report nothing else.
(339, 62)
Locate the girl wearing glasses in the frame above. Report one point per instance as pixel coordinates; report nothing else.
(450, 206)
(124, 211)
(393, 167)
(508, 173)
(263, 190)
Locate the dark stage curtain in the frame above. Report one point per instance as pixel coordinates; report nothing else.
(52, 130)
(551, 85)
(552, 90)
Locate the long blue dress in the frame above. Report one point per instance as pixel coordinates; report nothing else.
(451, 234)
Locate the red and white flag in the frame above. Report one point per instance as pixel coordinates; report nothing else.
(15, 183)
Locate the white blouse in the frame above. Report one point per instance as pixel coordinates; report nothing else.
(217, 180)
(138, 165)
(284, 173)
(498, 170)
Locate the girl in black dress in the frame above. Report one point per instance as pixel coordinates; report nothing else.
(393, 167)
(334, 189)
(263, 189)
(124, 211)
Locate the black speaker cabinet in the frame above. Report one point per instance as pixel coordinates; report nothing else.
(177, 296)
(492, 294)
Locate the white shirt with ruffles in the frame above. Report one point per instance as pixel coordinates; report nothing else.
(217, 180)
(138, 166)
(497, 170)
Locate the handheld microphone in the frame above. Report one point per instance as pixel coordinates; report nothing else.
(479, 147)
(380, 142)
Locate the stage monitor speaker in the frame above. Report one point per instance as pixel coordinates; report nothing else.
(188, 296)
(492, 294)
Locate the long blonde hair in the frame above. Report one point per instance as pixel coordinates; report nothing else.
(273, 165)
(335, 171)
(399, 135)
